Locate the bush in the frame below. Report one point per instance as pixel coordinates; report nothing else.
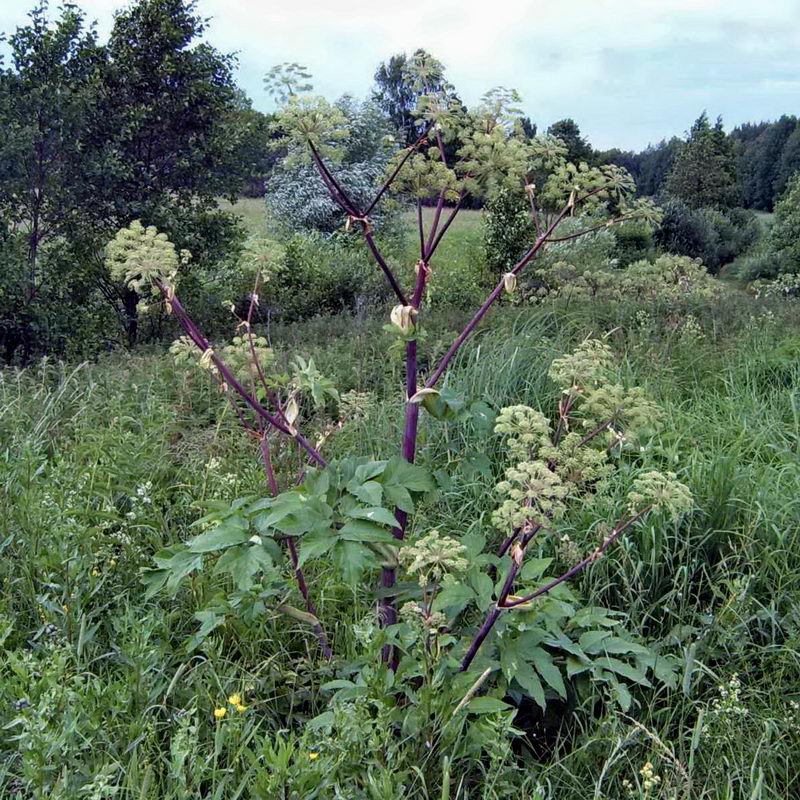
(670, 281)
(317, 275)
(713, 236)
(298, 200)
(785, 234)
(508, 231)
(67, 316)
(635, 242)
(594, 251)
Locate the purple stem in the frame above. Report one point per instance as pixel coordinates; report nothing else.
(502, 601)
(387, 611)
(202, 343)
(435, 224)
(396, 171)
(385, 267)
(487, 304)
(338, 193)
(421, 228)
(447, 223)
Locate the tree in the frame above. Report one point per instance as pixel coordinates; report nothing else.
(759, 163)
(48, 96)
(704, 172)
(578, 149)
(169, 127)
(395, 96)
(785, 233)
(789, 162)
(47, 101)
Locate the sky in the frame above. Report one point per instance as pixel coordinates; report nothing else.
(630, 72)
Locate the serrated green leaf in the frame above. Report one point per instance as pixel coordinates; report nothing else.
(362, 530)
(455, 597)
(231, 532)
(486, 705)
(591, 641)
(315, 544)
(370, 492)
(621, 668)
(546, 667)
(529, 681)
(351, 558)
(483, 586)
(411, 476)
(381, 516)
(154, 580)
(534, 568)
(242, 563)
(399, 497)
(622, 694)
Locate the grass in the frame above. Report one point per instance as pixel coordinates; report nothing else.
(103, 464)
(252, 211)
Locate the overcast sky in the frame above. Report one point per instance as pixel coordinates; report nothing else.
(629, 72)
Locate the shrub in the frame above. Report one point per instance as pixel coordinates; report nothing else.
(298, 200)
(508, 231)
(634, 243)
(670, 281)
(714, 236)
(785, 233)
(316, 275)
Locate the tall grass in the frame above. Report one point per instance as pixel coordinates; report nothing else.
(104, 463)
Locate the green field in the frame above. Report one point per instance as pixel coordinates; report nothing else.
(106, 463)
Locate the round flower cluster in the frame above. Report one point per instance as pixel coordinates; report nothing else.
(525, 429)
(534, 494)
(432, 557)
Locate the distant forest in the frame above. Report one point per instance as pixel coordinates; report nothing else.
(765, 156)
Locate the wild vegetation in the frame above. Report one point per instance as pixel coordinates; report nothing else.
(456, 467)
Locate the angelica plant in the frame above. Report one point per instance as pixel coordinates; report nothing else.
(552, 471)
(355, 512)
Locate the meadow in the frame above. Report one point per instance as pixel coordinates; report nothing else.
(107, 694)
(459, 461)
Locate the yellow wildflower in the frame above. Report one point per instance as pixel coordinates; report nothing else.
(219, 713)
(235, 699)
(313, 756)
(240, 708)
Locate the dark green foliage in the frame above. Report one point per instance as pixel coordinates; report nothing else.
(508, 230)
(767, 155)
(149, 126)
(714, 236)
(703, 173)
(785, 233)
(320, 276)
(395, 96)
(578, 148)
(46, 106)
(634, 243)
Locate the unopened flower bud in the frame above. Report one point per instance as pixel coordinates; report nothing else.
(292, 412)
(402, 317)
(510, 282)
(205, 359)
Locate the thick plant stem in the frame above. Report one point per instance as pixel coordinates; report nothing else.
(202, 343)
(387, 271)
(489, 302)
(387, 611)
(503, 603)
